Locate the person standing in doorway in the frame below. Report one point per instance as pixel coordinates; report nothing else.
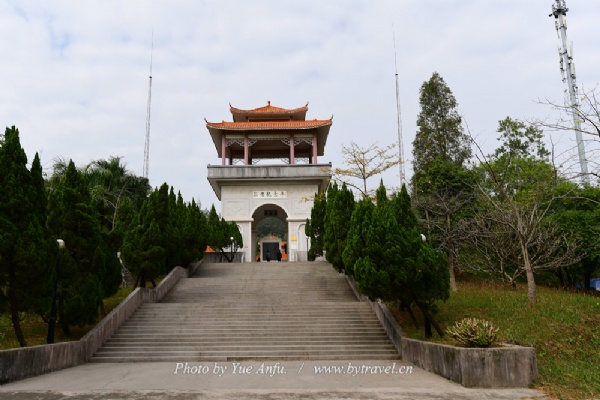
(279, 255)
(268, 256)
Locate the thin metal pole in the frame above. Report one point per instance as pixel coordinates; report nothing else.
(147, 143)
(399, 115)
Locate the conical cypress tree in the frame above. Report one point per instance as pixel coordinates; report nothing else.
(215, 235)
(85, 265)
(359, 223)
(144, 246)
(40, 249)
(315, 226)
(173, 225)
(396, 264)
(426, 272)
(193, 237)
(198, 220)
(25, 273)
(125, 218)
(338, 213)
(372, 268)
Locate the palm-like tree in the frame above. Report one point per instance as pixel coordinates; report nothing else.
(109, 182)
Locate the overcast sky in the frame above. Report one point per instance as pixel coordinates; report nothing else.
(74, 74)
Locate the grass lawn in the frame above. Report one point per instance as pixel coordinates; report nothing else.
(35, 330)
(564, 328)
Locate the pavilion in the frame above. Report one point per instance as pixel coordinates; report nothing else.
(269, 168)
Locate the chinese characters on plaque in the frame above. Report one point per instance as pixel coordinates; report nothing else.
(269, 194)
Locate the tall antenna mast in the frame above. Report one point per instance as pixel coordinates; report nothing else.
(399, 114)
(147, 144)
(565, 53)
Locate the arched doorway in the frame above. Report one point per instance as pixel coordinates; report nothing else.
(269, 232)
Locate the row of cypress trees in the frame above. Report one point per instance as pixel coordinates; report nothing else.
(153, 232)
(167, 232)
(26, 273)
(380, 245)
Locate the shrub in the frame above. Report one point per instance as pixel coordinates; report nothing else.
(473, 332)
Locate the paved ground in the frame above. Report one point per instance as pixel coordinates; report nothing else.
(377, 380)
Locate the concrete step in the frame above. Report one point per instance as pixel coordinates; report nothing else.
(149, 342)
(241, 357)
(241, 348)
(282, 332)
(257, 325)
(248, 312)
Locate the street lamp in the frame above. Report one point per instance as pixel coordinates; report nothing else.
(232, 240)
(52, 320)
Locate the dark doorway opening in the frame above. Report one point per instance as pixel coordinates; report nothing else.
(272, 249)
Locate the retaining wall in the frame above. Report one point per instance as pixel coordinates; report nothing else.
(506, 366)
(21, 363)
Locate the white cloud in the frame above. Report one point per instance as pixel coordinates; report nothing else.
(75, 74)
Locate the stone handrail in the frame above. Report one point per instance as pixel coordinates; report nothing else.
(21, 363)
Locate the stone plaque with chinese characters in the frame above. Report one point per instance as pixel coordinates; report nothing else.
(269, 194)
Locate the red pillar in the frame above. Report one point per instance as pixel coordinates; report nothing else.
(314, 144)
(246, 149)
(292, 155)
(223, 149)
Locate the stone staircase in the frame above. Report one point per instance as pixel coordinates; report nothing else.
(278, 311)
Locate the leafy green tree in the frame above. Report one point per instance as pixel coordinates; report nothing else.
(25, 271)
(578, 216)
(89, 270)
(220, 233)
(271, 226)
(234, 232)
(442, 186)
(338, 212)
(315, 226)
(446, 200)
(440, 132)
(518, 139)
(110, 182)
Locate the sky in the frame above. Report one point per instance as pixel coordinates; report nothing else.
(75, 74)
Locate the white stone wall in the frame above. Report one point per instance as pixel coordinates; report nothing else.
(238, 203)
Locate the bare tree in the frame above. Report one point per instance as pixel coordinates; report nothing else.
(495, 248)
(519, 194)
(363, 163)
(587, 114)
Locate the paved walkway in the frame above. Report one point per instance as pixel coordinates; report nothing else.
(382, 379)
(225, 380)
